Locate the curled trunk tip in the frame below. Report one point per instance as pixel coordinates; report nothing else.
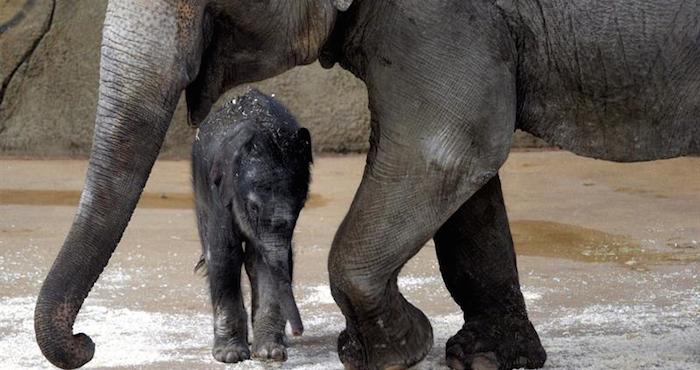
(53, 325)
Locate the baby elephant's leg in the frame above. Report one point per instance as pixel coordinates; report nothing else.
(224, 257)
(269, 340)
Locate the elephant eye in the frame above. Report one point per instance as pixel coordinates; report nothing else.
(253, 210)
(254, 207)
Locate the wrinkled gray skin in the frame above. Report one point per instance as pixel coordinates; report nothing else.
(448, 82)
(250, 167)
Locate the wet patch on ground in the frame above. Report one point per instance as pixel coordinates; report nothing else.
(643, 192)
(558, 240)
(72, 197)
(148, 200)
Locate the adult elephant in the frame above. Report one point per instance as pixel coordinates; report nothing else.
(448, 82)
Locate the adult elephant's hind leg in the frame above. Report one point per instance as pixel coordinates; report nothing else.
(477, 261)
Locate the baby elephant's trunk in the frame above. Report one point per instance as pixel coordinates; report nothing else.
(281, 266)
(290, 310)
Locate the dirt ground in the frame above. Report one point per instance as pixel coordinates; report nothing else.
(608, 254)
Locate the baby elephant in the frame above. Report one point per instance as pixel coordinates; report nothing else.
(250, 165)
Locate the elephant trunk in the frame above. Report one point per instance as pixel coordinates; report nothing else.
(142, 73)
(291, 311)
(279, 260)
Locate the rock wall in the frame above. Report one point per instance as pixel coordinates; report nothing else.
(49, 62)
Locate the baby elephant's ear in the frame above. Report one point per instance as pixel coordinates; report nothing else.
(216, 172)
(304, 140)
(237, 146)
(241, 139)
(228, 160)
(342, 5)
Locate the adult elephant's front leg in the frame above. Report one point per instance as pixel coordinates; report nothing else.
(437, 137)
(441, 83)
(477, 261)
(402, 201)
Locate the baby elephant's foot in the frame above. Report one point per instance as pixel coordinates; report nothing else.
(495, 344)
(270, 347)
(397, 340)
(230, 351)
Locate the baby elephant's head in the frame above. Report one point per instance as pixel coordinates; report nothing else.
(273, 184)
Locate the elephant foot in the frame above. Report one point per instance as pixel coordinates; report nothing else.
(397, 340)
(270, 347)
(230, 351)
(495, 344)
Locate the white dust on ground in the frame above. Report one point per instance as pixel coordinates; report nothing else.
(148, 311)
(600, 336)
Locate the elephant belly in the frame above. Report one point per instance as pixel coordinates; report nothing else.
(616, 80)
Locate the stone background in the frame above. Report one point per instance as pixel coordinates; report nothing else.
(49, 62)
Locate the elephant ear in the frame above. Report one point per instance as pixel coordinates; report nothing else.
(303, 158)
(304, 141)
(342, 5)
(232, 149)
(224, 172)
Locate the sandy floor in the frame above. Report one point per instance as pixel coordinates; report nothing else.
(609, 257)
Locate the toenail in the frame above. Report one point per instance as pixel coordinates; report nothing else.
(277, 354)
(231, 357)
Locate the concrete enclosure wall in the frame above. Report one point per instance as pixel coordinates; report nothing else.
(49, 62)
